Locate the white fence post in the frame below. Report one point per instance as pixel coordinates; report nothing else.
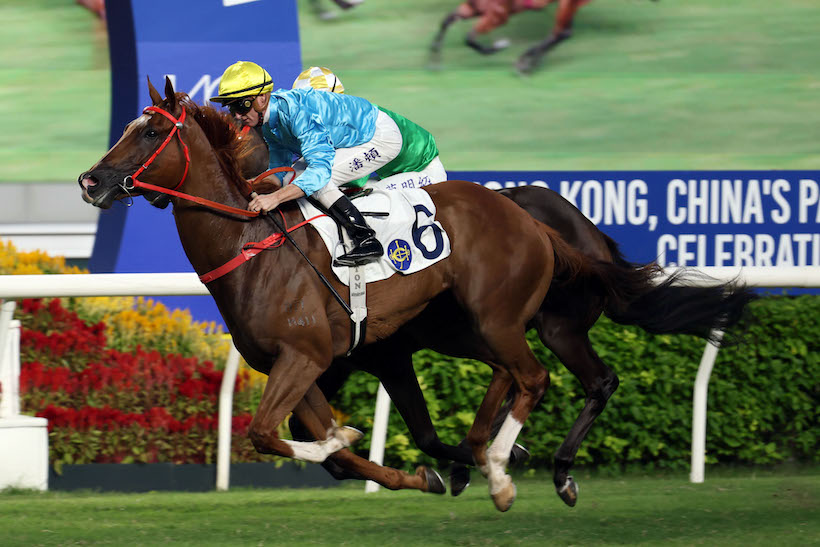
(379, 434)
(23, 439)
(707, 362)
(223, 450)
(9, 370)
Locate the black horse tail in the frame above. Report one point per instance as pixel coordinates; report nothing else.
(643, 295)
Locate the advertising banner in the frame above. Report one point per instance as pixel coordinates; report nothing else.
(691, 218)
(191, 42)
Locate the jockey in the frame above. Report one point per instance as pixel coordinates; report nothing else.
(341, 137)
(416, 165)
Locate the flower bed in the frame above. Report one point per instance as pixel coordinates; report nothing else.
(105, 405)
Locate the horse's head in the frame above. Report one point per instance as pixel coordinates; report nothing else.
(112, 178)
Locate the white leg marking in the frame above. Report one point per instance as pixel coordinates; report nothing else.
(318, 451)
(499, 453)
(567, 483)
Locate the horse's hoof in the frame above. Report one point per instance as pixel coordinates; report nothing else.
(518, 455)
(348, 435)
(527, 62)
(459, 480)
(434, 62)
(435, 484)
(504, 498)
(524, 67)
(501, 43)
(569, 492)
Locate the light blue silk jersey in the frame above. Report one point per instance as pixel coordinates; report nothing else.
(313, 124)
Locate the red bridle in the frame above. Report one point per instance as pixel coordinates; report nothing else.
(178, 123)
(249, 250)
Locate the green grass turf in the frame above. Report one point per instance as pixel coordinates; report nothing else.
(54, 90)
(781, 510)
(675, 84)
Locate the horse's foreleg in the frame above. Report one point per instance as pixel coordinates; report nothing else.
(495, 15)
(438, 41)
(329, 383)
(472, 41)
(290, 379)
(600, 382)
(315, 414)
(560, 32)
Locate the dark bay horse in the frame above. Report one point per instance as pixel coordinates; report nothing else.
(189, 152)
(562, 321)
(492, 14)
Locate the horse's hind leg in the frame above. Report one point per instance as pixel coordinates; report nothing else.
(560, 32)
(460, 472)
(532, 381)
(574, 350)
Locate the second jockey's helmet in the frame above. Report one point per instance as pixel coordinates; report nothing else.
(319, 78)
(243, 79)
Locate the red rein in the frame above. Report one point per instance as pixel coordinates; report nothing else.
(249, 250)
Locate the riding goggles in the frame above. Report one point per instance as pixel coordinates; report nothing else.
(241, 105)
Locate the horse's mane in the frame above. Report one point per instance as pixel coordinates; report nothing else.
(223, 135)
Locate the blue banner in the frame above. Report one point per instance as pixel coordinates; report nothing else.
(191, 42)
(691, 218)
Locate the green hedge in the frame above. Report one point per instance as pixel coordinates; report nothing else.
(763, 397)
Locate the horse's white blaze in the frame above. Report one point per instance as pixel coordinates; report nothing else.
(499, 454)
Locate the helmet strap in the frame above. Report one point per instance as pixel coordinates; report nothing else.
(261, 109)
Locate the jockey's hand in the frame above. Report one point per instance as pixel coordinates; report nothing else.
(264, 202)
(269, 202)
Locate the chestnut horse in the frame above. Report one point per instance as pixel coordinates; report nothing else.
(499, 279)
(492, 14)
(562, 322)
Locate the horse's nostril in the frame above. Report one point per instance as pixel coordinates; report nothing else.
(87, 182)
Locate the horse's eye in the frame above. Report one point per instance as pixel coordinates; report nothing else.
(151, 134)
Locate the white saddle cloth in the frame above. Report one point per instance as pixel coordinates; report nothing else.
(410, 235)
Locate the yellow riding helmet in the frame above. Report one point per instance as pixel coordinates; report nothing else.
(243, 79)
(319, 78)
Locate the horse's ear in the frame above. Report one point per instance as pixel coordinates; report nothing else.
(170, 94)
(152, 91)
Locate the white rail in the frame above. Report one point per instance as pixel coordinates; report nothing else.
(180, 284)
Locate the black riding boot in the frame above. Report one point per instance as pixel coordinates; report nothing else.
(366, 248)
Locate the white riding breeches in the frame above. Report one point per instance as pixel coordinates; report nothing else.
(355, 162)
(433, 173)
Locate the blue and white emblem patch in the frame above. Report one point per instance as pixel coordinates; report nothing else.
(399, 254)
